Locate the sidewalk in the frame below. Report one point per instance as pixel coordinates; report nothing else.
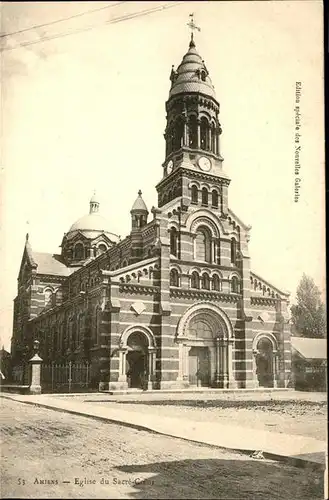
(296, 450)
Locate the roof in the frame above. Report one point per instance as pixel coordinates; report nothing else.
(139, 204)
(93, 222)
(48, 263)
(187, 78)
(310, 348)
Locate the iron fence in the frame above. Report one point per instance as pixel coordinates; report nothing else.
(21, 374)
(66, 377)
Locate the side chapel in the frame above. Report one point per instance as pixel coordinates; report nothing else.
(175, 304)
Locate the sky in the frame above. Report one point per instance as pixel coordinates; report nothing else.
(85, 110)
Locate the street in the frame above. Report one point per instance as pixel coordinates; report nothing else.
(49, 454)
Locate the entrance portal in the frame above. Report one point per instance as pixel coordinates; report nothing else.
(137, 361)
(264, 362)
(199, 366)
(136, 373)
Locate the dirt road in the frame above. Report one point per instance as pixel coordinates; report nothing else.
(48, 454)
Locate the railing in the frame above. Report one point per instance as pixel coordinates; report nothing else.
(66, 377)
(20, 374)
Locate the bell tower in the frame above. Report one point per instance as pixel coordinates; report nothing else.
(192, 133)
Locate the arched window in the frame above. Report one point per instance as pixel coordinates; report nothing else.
(169, 135)
(179, 134)
(204, 196)
(216, 283)
(214, 198)
(195, 282)
(203, 245)
(193, 132)
(173, 241)
(195, 194)
(174, 278)
(97, 326)
(205, 281)
(48, 296)
(218, 252)
(79, 251)
(80, 329)
(102, 248)
(204, 133)
(213, 138)
(203, 75)
(233, 251)
(235, 285)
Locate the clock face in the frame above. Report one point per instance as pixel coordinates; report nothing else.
(204, 163)
(170, 167)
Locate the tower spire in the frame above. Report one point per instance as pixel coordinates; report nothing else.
(191, 24)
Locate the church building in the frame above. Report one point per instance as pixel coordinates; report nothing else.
(175, 304)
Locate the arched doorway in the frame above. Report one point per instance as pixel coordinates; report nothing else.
(137, 350)
(136, 361)
(265, 362)
(205, 338)
(199, 355)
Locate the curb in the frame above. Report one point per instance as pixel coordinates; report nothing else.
(290, 460)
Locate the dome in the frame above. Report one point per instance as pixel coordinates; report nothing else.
(192, 75)
(93, 224)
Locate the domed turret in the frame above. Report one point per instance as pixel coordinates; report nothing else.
(92, 223)
(191, 75)
(139, 212)
(88, 236)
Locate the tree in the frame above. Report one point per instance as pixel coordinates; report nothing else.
(309, 315)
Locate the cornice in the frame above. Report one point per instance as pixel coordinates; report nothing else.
(138, 289)
(204, 295)
(263, 301)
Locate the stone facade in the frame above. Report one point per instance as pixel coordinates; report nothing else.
(175, 304)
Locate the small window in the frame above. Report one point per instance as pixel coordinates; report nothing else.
(203, 76)
(235, 288)
(233, 251)
(173, 241)
(79, 251)
(204, 196)
(102, 248)
(216, 284)
(194, 194)
(214, 199)
(195, 282)
(48, 295)
(205, 282)
(174, 278)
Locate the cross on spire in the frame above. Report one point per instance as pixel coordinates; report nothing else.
(191, 24)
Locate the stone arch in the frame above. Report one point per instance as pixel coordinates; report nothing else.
(268, 336)
(137, 329)
(205, 217)
(214, 314)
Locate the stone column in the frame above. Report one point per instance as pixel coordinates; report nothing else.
(213, 251)
(217, 372)
(230, 373)
(180, 362)
(275, 368)
(186, 350)
(122, 366)
(186, 134)
(199, 134)
(223, 357)
(151, 357)
(255, 353)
